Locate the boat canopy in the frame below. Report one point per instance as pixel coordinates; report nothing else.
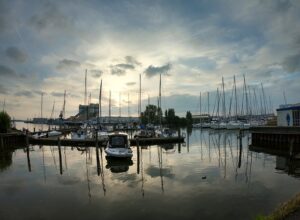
(117, 141)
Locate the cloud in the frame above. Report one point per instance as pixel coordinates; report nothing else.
(3, 90)
(49, 16)
(16, 54)
(130, 83)
(25, 93)
(117, 71)
(152, 70)
(6, 71)
(57, 94)
(66, 63)
(96, 73)
(292, 63)
(125, 66)
(132, 60)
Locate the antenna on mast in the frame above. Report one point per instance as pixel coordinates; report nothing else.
(285, 102)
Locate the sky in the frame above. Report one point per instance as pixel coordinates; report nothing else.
(46, 46)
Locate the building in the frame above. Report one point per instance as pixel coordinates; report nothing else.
(288, 115)
(203, 118)
(89, 111)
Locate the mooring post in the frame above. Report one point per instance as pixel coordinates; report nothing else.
(138, 155)
(28, 158)
(291, 148)
(60, 159)
(27, 140)
(2, 143)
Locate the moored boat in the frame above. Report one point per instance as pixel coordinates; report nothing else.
(118, 146)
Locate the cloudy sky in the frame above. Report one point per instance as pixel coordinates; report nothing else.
(46, 46)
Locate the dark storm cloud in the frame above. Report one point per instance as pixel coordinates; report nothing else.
(153, 70)
(292, 63)
(3, 90)
(50, 16)
(7, 71)
(16, 54)
(25, 93)
(132, 60)
(96, 73)
(130, 83)
(66, 63)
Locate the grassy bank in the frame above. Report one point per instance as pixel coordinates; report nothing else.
(284, 210)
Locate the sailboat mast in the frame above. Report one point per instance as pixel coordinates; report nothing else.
(100, 100)
(160, 98)
(264, 99)
(235, 98)
(224, 107)
(85, 91)
(109, 106)
(52, 110)
(284, 97)
(64, 105)
(42, 94)
(140, 97)
(246, 97)
(208, 103)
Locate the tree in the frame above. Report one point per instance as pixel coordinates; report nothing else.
(189, 118)
(151, 115)
(4, 122)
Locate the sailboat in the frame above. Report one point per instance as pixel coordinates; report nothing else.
(102, 133)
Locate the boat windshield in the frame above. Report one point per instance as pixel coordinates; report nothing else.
(118, 141)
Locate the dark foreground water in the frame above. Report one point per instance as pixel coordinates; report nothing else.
(207, 178)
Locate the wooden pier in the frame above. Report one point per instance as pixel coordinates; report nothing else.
(276, 138)
(92, 142)
(19, 139)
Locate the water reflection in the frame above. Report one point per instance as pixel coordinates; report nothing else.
(5, 160)
(213, 169)
(118, 165)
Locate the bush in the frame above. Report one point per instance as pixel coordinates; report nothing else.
(4, 122)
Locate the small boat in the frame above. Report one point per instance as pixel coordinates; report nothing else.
(118, 146)
(54, 133)
(79, 135)
(40, 135)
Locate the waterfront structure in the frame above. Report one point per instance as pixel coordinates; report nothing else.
(288, 115)
(91, 110)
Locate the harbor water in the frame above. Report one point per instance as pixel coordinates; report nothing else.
(213, 175)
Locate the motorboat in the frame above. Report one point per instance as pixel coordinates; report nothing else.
(118, 146)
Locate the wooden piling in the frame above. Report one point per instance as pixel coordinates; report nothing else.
(138, 156)
(60, 158)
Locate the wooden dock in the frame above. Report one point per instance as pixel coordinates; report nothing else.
(276, 138)
(92, 142)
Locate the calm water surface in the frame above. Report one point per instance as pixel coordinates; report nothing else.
(208, 177)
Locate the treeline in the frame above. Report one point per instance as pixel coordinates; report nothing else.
(154, 115)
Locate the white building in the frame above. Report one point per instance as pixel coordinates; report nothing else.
(288, 115)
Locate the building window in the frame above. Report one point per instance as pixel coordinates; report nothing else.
(296, 118)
